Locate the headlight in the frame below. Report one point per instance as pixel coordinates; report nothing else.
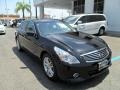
(65, 56)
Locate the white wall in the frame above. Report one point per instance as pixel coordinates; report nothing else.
(89, 6)
(112, 11)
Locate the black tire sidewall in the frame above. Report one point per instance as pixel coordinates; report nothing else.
(17, 41)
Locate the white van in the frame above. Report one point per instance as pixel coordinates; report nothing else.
(88, 23)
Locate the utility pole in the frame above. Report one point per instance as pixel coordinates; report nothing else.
(6, 9)
(2, 11)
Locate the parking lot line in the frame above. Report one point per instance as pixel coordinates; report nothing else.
(116, 58)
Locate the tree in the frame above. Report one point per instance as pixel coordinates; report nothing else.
(22, 6)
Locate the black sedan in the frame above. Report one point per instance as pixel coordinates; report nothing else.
(65, 53)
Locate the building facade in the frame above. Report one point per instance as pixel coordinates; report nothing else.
(108, 7)
(8, 17)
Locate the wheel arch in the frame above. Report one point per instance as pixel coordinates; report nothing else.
(102, 27)
(42, 54)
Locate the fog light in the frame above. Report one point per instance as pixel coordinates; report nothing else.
(76, 75)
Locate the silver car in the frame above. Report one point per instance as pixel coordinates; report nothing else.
(88, 23)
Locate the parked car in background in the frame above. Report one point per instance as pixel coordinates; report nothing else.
(88, 23)
(65, 52)
(13, 23)
(16, 22)
(2, 28)
(6, 22)
(19, 21)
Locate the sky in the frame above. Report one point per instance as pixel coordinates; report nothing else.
(11, 4)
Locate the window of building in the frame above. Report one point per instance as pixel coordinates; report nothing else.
(79, 6)
(98, 6)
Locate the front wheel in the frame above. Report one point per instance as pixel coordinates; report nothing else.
(49, 67)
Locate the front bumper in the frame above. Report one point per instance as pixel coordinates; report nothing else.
(85, 71)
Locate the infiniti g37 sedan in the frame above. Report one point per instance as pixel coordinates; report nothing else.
(65, 53)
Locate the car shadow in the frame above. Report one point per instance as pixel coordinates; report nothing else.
(32, 63)
(2, 34)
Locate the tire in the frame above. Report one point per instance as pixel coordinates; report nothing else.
(49, 67)
(18, 45)
(101, 32)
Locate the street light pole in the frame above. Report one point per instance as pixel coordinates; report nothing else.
(30, 9)
(6, 9)
(36, 11)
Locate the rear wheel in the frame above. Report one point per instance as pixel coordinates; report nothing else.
(101, 31)
(49, 67)
(18, 45)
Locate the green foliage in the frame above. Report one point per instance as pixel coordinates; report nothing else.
(22, 6)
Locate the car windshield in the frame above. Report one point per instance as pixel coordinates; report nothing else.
(53, 27)
(71, 19)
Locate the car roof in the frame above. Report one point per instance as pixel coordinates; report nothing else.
(88, 14)
(43, 20)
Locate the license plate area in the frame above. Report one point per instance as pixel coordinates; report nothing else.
(102, 65)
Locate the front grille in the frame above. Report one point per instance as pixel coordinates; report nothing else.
(96, 55)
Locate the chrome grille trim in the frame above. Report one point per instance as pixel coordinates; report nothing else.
(97, 55)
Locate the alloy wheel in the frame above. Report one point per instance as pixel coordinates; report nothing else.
(48, 67)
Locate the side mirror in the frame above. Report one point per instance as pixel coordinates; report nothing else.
(75, 27)
(79, 22)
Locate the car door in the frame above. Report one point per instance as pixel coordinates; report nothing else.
(100, 21)
(22, 33)
(32, 39)
(88, 24)
(85, 25)
(82, 25)
(91, 25)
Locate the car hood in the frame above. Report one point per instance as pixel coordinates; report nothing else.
(1, 26)
(78, 42)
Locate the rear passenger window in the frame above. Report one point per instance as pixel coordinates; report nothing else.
(91, 18)
(95, 18)
(100, 18)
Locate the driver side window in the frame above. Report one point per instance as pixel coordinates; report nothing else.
(83, 19)
(30, 27)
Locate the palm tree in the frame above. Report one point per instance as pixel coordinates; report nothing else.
(22, 6)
